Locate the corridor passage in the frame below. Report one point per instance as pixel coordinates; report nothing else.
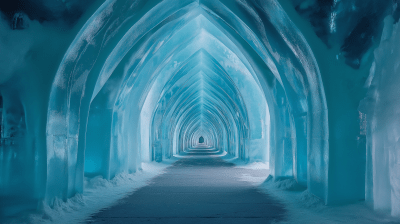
(197, 190)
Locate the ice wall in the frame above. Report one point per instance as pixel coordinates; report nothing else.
(381, 107)
(344, 158)
(350, 31)
(31, 53)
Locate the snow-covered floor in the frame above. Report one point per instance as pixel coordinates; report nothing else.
(303, 207)
(299, 205)
(98, 194)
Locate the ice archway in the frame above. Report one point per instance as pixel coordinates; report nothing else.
(158, 74)
(94, 88)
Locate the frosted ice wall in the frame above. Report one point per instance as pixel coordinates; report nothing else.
(350, 31)
(381, 107)
(31, 54)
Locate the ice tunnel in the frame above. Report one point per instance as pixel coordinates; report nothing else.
(196, 68)
(140, 81)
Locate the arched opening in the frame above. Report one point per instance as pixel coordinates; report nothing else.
(201, 140)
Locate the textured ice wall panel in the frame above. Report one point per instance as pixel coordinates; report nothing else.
(98, 143)
(300, 151)
(257, 149)
(57, 168)
(383, 111)
(334, 159)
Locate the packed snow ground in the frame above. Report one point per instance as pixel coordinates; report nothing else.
(303, 207)
(98, 194)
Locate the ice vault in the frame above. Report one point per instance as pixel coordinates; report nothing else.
(207, 66)
(146, 80)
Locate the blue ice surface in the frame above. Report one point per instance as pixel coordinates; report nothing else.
(146, 80)
(192, 69)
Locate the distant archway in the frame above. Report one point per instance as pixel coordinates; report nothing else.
(201, 140)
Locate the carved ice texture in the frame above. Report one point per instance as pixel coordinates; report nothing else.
(145, 80)
(383, 134)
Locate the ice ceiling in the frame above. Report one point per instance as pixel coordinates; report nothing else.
(132, 81)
